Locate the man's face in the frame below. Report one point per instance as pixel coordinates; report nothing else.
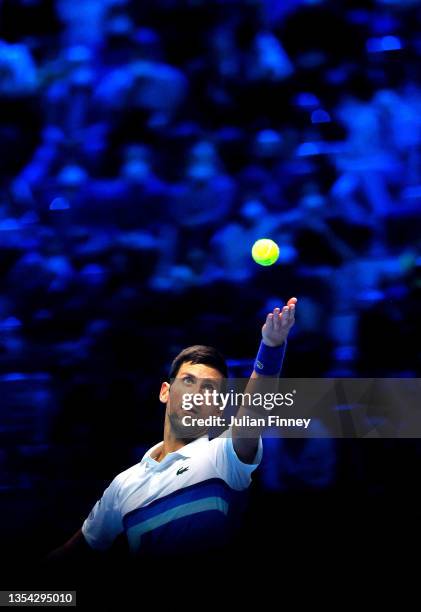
(194, 381)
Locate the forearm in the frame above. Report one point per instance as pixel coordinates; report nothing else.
(251, 411)
(75, 548)
(263, 379)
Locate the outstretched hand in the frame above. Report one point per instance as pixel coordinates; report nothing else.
(278, 323)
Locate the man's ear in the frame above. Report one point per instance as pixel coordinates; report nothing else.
(164, 392)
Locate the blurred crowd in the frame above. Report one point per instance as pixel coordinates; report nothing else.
(144, 147)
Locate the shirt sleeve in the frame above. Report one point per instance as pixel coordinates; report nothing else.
(235, 472)
(104, 522)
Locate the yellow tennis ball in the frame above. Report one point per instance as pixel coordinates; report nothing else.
(265, 252)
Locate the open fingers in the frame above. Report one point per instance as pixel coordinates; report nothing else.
(275, 319)
(291, 318)
(285, 317)
(288, 313)
(279, 319)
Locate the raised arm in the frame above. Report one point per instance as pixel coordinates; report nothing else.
(268, 363)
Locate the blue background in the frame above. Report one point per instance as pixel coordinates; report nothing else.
(144, 147)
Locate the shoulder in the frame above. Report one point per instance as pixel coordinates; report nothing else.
(126, 477)
(227, 463)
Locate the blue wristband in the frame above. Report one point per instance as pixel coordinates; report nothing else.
(269, 359)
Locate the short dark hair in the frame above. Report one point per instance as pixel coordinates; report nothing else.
(199, 353)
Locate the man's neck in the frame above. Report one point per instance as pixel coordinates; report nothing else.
(171, 443)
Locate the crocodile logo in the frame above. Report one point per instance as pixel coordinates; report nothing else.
(181, 470)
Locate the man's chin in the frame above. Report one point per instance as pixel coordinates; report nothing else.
(187, 432)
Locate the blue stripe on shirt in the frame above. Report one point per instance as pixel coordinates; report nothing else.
(214, 487)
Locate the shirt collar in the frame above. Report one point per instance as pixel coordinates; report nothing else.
(188, 450)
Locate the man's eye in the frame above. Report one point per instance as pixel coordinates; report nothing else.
(209, 387)
(188, 380)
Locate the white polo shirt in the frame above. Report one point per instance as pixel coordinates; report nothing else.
(186, 500)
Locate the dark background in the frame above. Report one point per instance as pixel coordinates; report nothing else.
(144, 147)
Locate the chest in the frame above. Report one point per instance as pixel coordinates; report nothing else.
(159, 480)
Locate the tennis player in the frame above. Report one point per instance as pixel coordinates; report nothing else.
(181, 495)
